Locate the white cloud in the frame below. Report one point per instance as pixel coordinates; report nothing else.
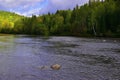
(28, 13)
(29, 7)
(15, 3)
(34, 11)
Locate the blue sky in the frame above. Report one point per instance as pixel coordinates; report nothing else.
(29, 7)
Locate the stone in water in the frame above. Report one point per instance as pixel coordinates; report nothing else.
(56, 67)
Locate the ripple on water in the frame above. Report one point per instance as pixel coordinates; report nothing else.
(30, 58)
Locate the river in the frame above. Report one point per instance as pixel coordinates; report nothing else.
(25, 57)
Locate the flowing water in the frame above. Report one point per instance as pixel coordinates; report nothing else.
(30, 57)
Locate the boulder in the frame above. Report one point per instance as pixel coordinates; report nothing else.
(56, 66)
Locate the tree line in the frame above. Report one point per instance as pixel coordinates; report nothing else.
(96, 18)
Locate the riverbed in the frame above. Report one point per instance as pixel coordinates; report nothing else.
(24, 57)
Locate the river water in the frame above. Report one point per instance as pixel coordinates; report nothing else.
(25, 57)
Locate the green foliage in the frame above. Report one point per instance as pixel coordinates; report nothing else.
(97, 18)
(7, 21)
(31, 25)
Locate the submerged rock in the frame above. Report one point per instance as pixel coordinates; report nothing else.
(104, 40)
(42, 67)
(106, 60)
(56, 67)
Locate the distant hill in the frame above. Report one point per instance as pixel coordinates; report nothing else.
(7, 20)
(4, 15)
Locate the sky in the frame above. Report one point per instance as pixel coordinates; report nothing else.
(38, 7)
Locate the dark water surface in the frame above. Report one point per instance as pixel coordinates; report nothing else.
(30, 58)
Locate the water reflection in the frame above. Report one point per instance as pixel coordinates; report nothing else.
(7, 44)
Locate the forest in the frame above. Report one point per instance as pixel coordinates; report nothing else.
(96, 18)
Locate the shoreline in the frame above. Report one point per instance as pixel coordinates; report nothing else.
(97, 37)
